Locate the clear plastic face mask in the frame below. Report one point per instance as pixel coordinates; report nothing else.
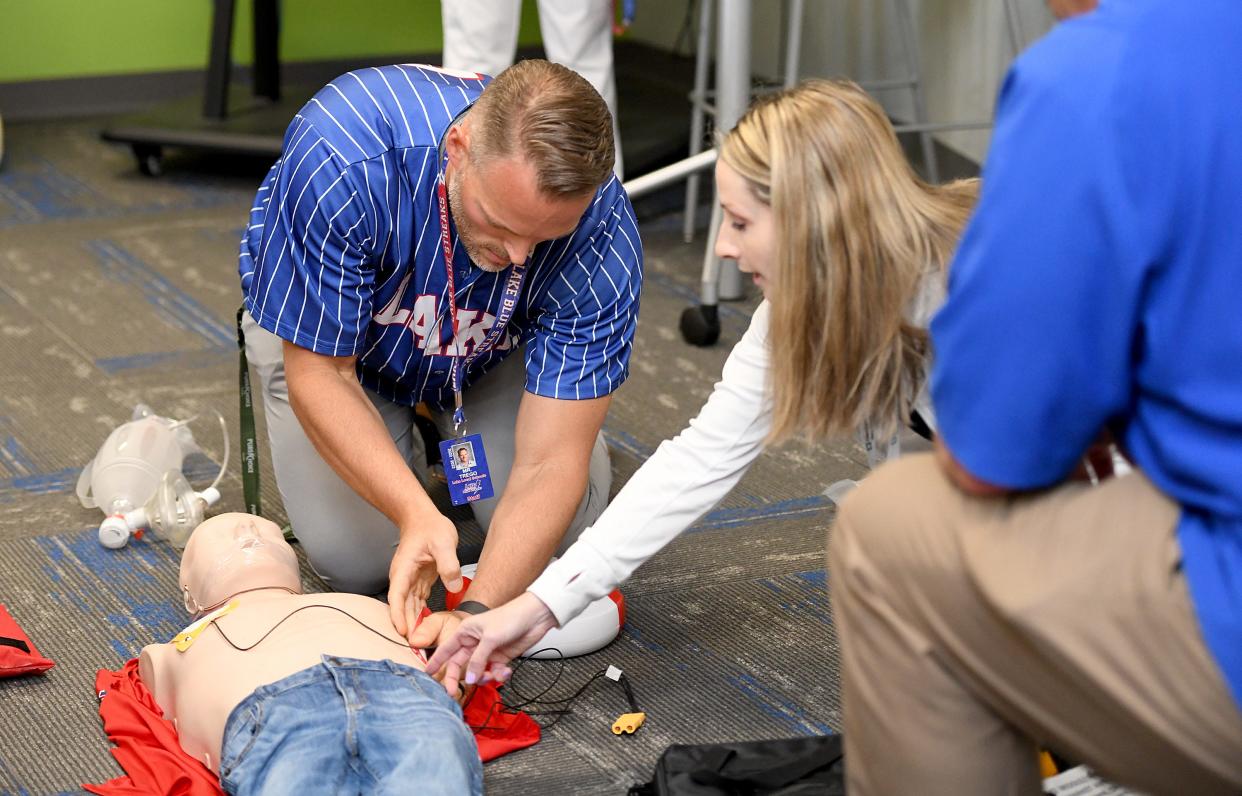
(247, 549)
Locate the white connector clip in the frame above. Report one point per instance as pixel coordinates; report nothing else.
(613, 673)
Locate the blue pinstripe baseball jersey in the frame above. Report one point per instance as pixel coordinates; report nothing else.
(342, 254)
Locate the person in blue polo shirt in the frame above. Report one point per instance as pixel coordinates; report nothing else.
(988, 601)
(441, 238)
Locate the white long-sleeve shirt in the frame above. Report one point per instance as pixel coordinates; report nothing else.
(682, 480)
(688, 474)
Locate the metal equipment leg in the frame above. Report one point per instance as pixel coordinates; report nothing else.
(699, 95)
(732, 97)
(224, 124)
(220, 60)
(1016, 37)
(909, 36)
(266, 49)
(700, 325)
(793, 42)
(698, 114)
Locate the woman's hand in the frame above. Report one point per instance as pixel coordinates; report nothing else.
(484, 644)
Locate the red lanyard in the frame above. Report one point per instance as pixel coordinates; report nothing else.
(508, 303)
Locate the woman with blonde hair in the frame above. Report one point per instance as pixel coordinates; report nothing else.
(850, 248)
(857, 264)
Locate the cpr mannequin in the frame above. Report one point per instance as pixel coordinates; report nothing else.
(240, 577)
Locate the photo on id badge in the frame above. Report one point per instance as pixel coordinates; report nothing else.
(463, 456)
(467, 474)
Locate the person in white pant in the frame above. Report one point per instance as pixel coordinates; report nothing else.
(850, 249)
(481, 36)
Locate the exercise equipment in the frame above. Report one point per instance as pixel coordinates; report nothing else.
(731, 20)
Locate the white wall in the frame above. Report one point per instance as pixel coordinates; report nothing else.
(964, 50)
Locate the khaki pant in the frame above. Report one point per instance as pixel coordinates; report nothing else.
(973, 630)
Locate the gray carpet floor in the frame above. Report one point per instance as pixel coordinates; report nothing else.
(117, 289)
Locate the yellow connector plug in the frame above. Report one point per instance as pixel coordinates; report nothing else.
(628, 722)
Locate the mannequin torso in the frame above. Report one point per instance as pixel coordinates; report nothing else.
(191, 691)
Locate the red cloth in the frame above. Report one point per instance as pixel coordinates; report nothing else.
(147, 748)
(497, 731)
(14, 660)
(146, 742)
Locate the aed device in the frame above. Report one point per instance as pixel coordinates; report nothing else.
(589, 631)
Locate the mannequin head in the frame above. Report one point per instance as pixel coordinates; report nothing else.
(231, 553)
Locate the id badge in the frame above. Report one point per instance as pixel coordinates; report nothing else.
(465, 468)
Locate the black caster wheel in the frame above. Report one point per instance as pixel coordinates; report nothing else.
(150, 160)
(700, 325)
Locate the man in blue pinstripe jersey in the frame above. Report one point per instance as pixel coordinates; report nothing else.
(386, 174)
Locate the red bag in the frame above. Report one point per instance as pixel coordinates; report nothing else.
(18, 655)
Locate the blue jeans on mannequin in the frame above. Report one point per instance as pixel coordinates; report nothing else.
(350, 726)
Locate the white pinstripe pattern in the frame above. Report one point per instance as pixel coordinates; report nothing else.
(333, 238)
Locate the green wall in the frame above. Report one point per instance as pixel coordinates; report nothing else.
(43, 39)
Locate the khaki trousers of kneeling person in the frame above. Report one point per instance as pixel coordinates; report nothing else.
(974, 630)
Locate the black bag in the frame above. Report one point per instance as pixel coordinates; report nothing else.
(813, 766)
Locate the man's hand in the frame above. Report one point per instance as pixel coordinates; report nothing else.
(425, 551)
(436, 629)
(483, 645)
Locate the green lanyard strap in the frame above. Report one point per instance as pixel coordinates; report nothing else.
(250, 447)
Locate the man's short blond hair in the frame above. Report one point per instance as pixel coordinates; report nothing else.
(551, 117)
